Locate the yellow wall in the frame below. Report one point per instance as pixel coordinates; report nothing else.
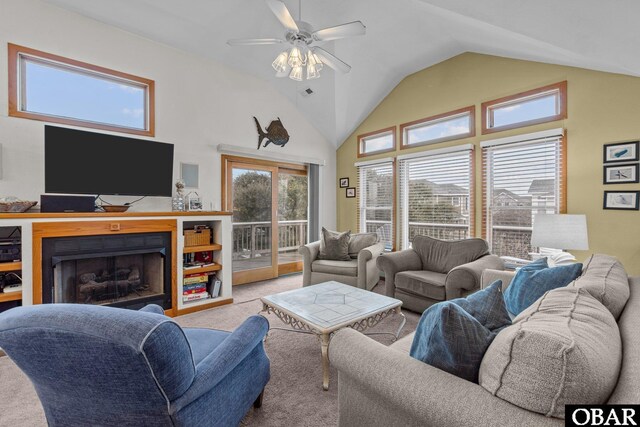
(602, 108)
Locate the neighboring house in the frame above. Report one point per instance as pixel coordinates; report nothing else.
(452, 194)
(543, 196)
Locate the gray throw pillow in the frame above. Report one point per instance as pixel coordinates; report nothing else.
(360, 241)
(334, 245)
(604, 277)
(565, 349)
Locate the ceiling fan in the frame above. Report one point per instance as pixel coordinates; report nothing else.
(304, 55)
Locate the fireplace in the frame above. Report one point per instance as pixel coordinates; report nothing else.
(124, 270)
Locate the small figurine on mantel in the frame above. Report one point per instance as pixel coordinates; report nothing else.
(177, 203)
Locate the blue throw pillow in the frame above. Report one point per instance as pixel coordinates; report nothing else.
(534, 280)
(454, 335)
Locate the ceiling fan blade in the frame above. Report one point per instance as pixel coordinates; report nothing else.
(282, 13)
(355, 28)
(330, 60)
(252, 42)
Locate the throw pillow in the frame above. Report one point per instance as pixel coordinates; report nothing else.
(334, 245)
(454, 335)
(360, 241)
(604, 277)
(563, 350)
(533, 280)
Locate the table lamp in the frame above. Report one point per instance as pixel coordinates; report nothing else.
(553, 233)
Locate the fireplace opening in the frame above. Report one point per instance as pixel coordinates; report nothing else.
(127, 271)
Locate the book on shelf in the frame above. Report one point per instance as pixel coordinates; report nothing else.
(190, 267)
(195, 297)
(194, 291)
(195, 285)
(200, 278)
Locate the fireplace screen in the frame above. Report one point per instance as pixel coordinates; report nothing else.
(108, 278)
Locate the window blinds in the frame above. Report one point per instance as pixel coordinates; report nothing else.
(375, 200)
(520, 180)
(436, 195)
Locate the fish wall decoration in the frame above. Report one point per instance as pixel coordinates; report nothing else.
(275, 133)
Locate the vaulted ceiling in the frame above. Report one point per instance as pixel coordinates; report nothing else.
(403, 36)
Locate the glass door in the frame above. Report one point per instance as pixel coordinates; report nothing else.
(269, 202)
(251, 199)
(293, 205)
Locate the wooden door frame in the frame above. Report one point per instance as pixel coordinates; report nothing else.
(228, 162)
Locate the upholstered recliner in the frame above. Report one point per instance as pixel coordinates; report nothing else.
(436, 270)
(94, 365)
(360, 271)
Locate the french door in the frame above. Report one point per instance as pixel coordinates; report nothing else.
(269, 204)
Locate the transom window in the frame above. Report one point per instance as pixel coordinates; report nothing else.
(540, 105)
(443, 127)
(380, 141)
(60, 90)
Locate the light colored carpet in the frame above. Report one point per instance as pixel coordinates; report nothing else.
(294, 395)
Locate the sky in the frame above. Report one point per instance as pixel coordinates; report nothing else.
(60, 92)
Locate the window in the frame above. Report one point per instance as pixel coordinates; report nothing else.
(523, 176)
(545, 104)
(375, 204)
(436, 194)
(443, 127)
(59, 90)
(380, 141)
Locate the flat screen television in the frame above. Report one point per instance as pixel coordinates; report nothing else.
(79, 162)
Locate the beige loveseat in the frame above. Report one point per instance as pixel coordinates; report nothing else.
(384, 386)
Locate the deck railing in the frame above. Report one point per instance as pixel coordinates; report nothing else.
(252, 239)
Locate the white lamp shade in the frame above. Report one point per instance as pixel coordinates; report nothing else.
(560, 232)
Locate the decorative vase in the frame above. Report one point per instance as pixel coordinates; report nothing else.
(177, 203)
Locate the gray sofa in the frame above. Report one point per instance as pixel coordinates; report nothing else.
(436, 270)
(360, 271)
(384, 386)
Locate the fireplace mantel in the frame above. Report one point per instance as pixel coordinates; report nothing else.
(37, 226)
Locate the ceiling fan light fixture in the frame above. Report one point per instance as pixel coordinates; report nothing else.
(280, 63)
(319, 64)
(312, 72)
(295, 57)
(296, 73)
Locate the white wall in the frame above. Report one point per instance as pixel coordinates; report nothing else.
(199, 104)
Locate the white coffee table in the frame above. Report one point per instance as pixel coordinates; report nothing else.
(327, 307)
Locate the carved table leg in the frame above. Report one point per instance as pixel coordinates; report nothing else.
(404, 320)
(324, 342)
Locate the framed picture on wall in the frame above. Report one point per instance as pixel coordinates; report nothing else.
(344, 182)
(621, 152)
(351, 192)
(620, 174)
(622, 200)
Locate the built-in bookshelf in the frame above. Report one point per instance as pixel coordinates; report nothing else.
(10, 267)
(204, 281)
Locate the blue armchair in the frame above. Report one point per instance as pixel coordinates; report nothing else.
(94, 365)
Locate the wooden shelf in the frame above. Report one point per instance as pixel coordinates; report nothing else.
(207, 269)
(46, 215)
(11, 296)
(204, 304)
(203, 248)
(11, 266)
